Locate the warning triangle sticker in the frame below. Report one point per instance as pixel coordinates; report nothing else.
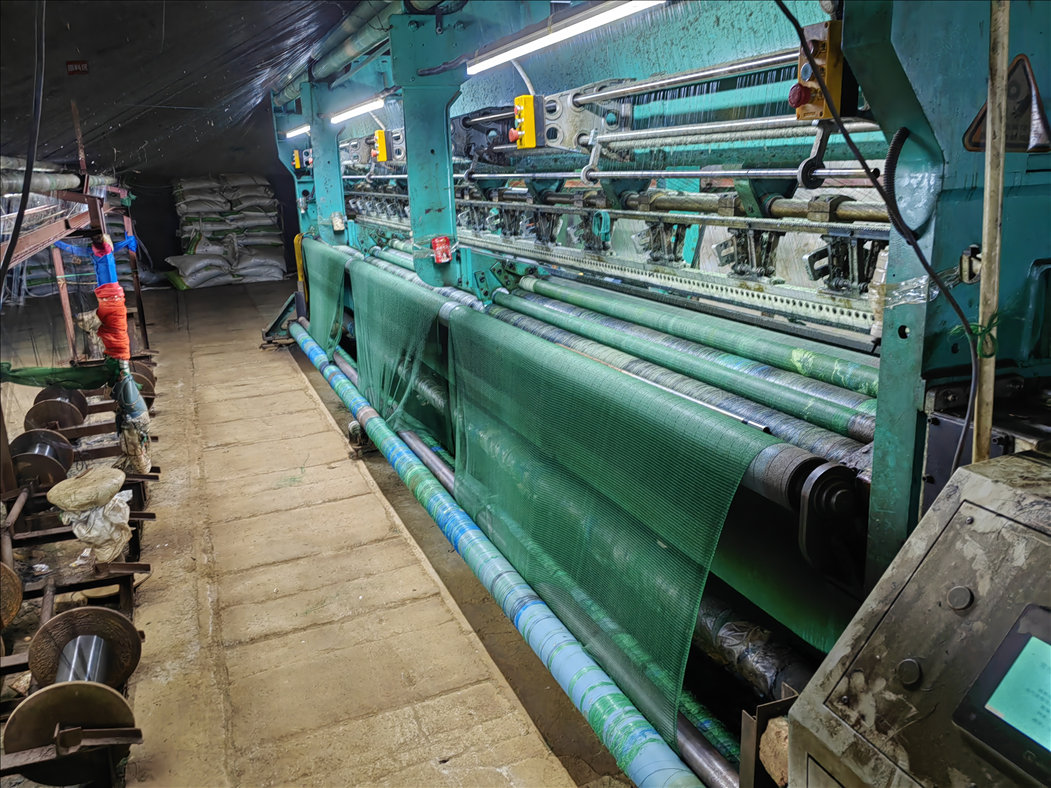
(1027, 127)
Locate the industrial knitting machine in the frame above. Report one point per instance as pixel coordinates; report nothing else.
(683, 315)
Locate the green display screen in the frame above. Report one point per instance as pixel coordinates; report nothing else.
(1023, 697)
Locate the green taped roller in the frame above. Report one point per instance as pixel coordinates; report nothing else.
(748, 341)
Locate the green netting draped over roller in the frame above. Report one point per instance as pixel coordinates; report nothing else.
(67, 377)
(397, 334)
(836, 366)
(325, 282)
(559, 459)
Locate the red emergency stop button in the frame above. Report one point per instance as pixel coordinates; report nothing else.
(799, 95)
(515, 135)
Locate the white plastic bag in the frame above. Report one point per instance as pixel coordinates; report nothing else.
(105, 528)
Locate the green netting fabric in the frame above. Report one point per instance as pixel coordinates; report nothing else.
(325, 283)
(396, 324)
(67, 377)
(560, 460)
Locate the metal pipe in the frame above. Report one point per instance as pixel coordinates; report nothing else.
(636, 745)
(15, 163)
(84, 658)
(43, 182)
(992, 214)
(442, 472)
(784, 57)
(701, 756)
(506, 115)
(370, 32)
(779, 207)
(771, 173)
(6, 548)
(47, 602)
(707, 133)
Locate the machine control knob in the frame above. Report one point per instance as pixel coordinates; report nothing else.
(909, 672)
(514, 135)
(960, 598)
(799, 96)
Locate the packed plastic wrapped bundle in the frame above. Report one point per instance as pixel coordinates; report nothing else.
(230, 217)
(201, 270)
(256, 263)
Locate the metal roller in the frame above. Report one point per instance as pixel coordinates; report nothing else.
(79, 657)
(832, 407)
(52, 716)
(72, 396)
(146, 387)
(85, 644)
(145, 370)
(53, 414)
(816, 439)
(44, 456)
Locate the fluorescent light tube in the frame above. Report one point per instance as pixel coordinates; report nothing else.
(360, 109)
(571, 30)
(304, 129)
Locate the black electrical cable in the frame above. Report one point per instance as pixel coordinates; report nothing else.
(896, 220)
(34, 134)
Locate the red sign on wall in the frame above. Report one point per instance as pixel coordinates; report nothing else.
(76, 67)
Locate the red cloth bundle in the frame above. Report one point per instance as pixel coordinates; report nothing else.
(114, 318)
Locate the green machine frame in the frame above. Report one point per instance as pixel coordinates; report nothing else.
(917, 66)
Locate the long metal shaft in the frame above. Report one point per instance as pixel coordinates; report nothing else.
(682, 136)
(992, 215)
(701, 756)
(442, 472)
(84, 658)
(720, 127)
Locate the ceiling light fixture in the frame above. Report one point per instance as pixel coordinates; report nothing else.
(575, 25)
(304, 129)
(360, 109)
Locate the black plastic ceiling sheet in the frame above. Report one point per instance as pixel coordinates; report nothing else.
(162, 86)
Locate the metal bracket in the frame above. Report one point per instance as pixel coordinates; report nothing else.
(816, 160)
(753, 773)
(573, 124)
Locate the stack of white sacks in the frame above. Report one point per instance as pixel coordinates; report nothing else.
(229, 233)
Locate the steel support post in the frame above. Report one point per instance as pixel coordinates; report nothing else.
(416, 44)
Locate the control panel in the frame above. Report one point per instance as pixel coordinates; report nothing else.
(528, 129)
(943, 678)
(383, 146)
(302, 160)
(805, 96)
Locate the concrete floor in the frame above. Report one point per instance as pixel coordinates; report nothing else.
(298, 632)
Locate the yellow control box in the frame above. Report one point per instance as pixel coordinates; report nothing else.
(528, 131)
(381, 151)
(805, 96)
